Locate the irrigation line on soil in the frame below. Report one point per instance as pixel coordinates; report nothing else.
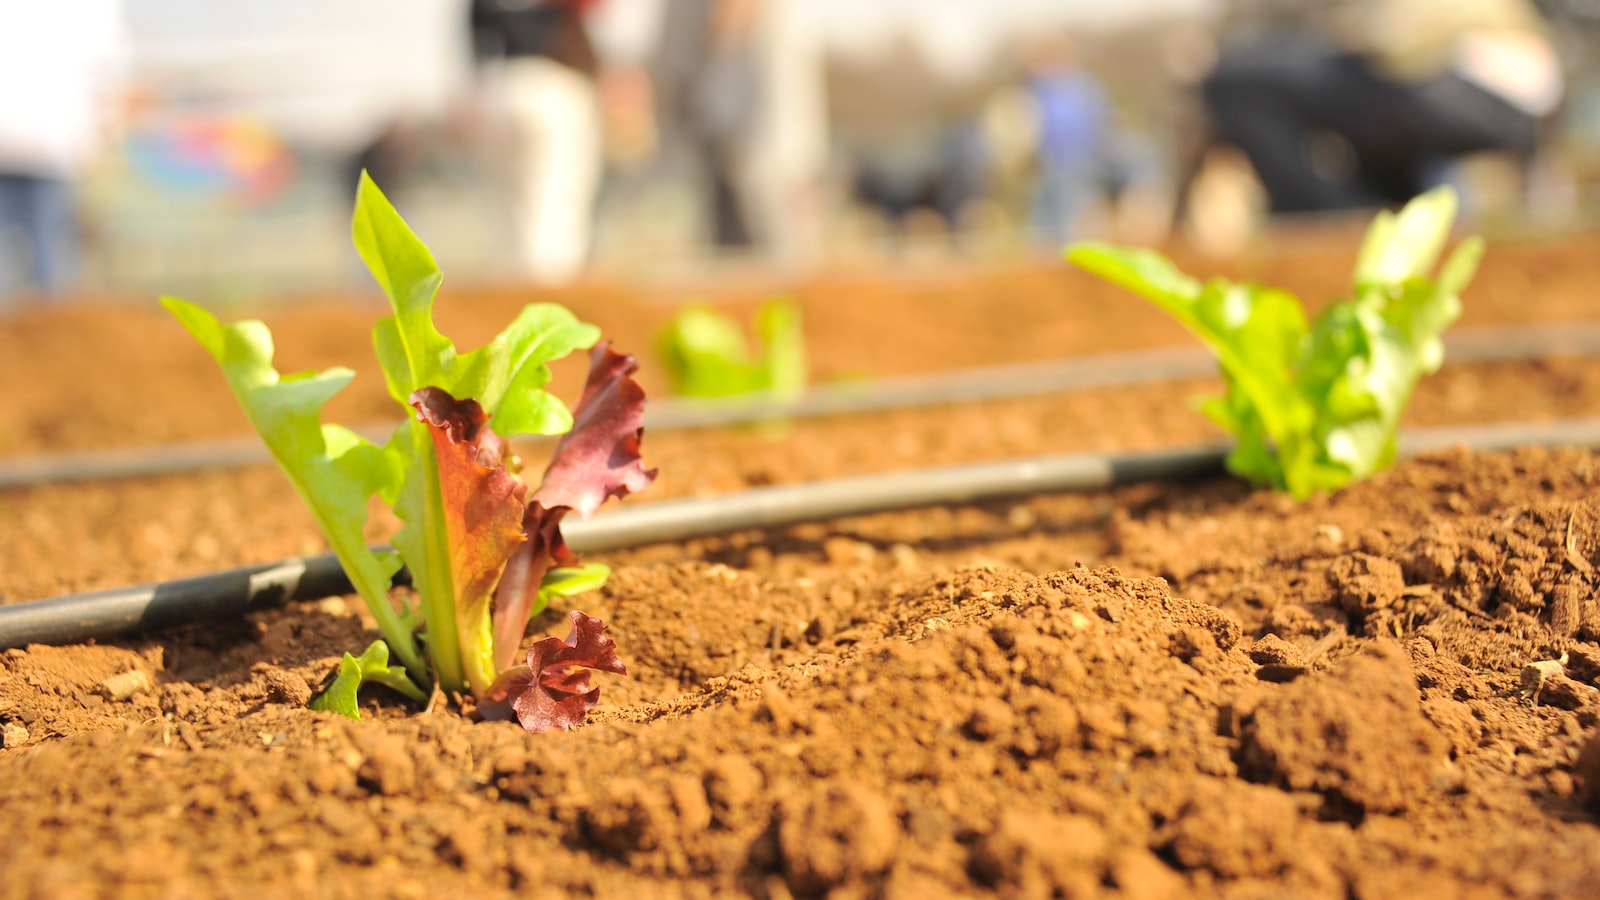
(1475, 345)
(106, 614)
(222, 595)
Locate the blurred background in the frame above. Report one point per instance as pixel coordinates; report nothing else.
(212, 150)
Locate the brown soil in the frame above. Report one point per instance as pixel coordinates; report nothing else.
(1158, 691)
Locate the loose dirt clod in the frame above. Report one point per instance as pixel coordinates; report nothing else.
(1364, 583)
(1042, 855)
(1274, 650)
(1587, 770)
(833, 833)
(1345, 733)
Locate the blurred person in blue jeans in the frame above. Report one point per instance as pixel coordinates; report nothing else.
(1072, 120)
(1360, 103)
(57, 65)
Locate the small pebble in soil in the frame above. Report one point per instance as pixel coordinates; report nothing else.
(905, 558)
(1535, 675)
(124, 685)
(13, 735)
(1021, 518)
(1077, 620)
(845, 551)
(333, 606)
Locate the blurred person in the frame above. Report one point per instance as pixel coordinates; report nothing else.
(741, 87)
(1366, 102)
(540, 70)
(1072, 139)
(58, 66)
(787, 156)
(710, 66)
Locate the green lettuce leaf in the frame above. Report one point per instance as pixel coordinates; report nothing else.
(333, 469)
(372, 666)
(705, 353)
(509, 371)
(1314, 407)
(568, 581)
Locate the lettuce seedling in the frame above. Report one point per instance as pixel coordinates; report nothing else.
(484, 552)
(1316, 407)
(705, 354)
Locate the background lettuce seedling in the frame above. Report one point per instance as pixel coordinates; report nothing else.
(485, 553)
(705, 353)
(1316, 407)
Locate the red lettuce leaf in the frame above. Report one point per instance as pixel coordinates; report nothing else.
(484, 505)
(599, 458)
(553, 691)
(596, 460)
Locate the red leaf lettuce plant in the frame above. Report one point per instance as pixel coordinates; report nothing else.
(485, 553)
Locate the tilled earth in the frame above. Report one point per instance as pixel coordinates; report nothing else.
(1156, 691)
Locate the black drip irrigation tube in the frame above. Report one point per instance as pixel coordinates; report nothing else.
(107, 614)
(1464, 345)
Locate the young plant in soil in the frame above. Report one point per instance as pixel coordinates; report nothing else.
(484, 552)
(705, 354)
(1316, 407)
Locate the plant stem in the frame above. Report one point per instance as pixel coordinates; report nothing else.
(437, 587)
